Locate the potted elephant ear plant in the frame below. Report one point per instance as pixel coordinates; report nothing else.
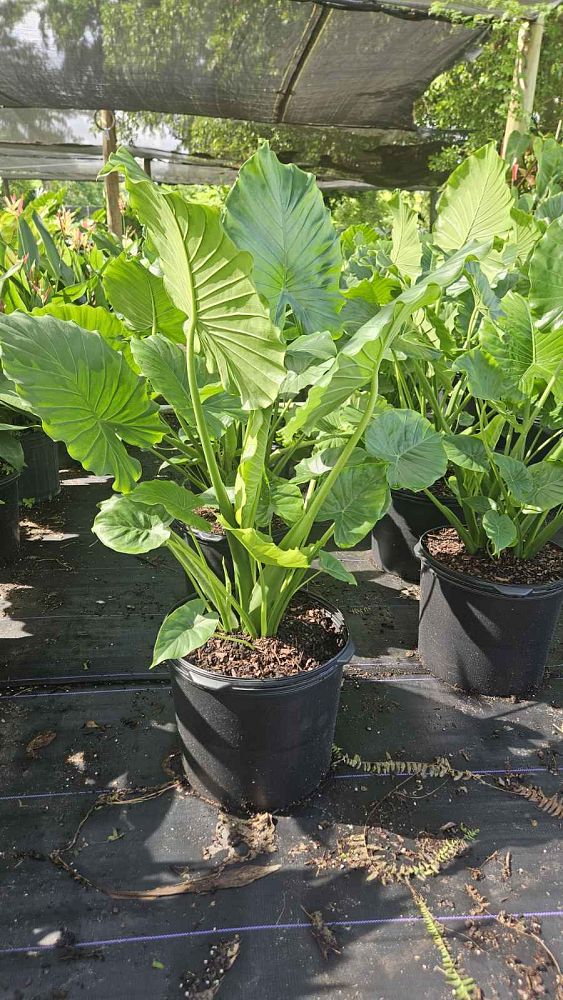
(256, 658)
(419, 374)
(492, 583)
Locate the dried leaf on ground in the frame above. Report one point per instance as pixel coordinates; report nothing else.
(39, 742)
(243, 839)
(77, 760)
(322, 934)
(205, 984)
(230, 877)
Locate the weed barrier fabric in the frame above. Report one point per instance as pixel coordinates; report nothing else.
(97, 944)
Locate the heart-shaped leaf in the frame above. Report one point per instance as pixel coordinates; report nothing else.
(125, 526)
(410, 446)
(208, 279)
(546, 278)
(85, 393)
(185, 629)
(467, 451)
(140, 296)
(359, 498)
(277, 212)
(500, 529)
(475, 203)
(485, 377)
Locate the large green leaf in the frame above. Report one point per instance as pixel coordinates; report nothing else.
(208, 279)
(527, 353)
(406, 250)
(500, 530)
(516, 475)
(475, 203)
(89, 318)
(140, 296)
(85, 394)
(276, 212)
(546, 278)
(467, 451)
(163, 363)
(130, 527)
(185, 629)
(410, 446)
(178, 502)
(279, 497)
(359, 498)
(547, 485)
(485, 377)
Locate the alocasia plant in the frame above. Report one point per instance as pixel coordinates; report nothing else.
(88, 395)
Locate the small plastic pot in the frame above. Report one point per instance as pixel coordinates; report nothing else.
(481, 636)
(260, 744)
(394, 538)
(40, 478)
(9, 517)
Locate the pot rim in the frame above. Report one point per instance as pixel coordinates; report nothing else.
(9, 478)
(470, 582)
(421, 498)
(186, 667)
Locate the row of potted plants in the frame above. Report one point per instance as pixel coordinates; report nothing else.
(286, 390)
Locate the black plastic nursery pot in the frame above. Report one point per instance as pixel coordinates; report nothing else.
(9, 517)
(481, 636)
(216, 551)
(261, 744)
(394, 538)
(40, 478)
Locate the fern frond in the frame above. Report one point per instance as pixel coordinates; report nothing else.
(463, 987)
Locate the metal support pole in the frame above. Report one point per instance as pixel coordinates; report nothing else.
(524, 79)
(111, 181)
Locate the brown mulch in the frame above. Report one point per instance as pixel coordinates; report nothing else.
(210, 514)
(307, 638)
(446, 547)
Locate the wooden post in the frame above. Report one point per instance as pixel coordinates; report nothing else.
(5, 187)
(111, 181)
(524, 79)
(147, 165)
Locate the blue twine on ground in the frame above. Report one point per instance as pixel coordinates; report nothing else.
(358, 775)
(253, 928)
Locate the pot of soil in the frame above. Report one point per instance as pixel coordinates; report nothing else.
(394, 538)
(486, 626)
(9, 516)
(40, 479)
(214, 544)
(257, 724)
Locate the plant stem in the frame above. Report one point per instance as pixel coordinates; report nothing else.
(225, 505)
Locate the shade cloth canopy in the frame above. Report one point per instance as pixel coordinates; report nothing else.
(277, 61)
